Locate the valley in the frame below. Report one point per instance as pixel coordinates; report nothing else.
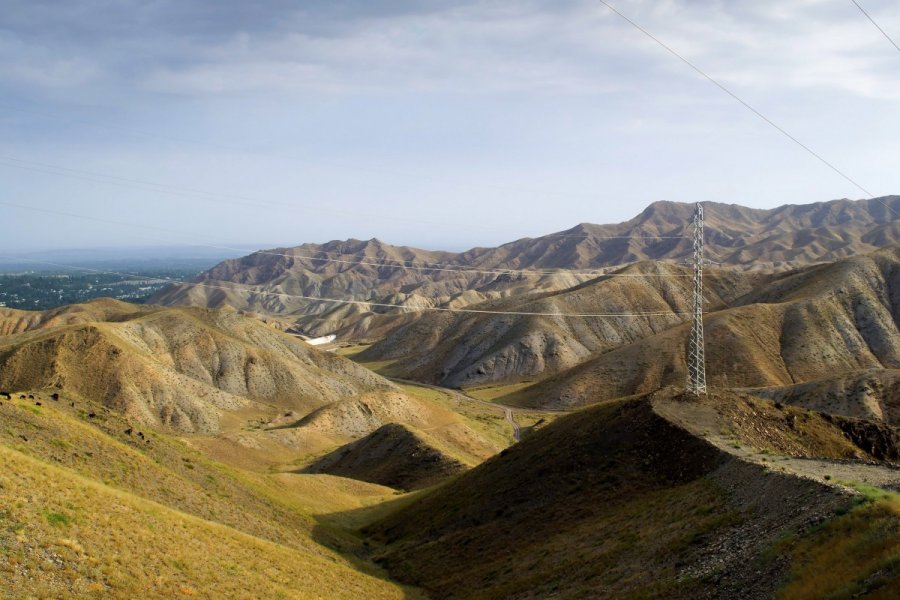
(471, 300)
(537, 444)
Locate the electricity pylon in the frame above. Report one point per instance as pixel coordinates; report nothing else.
(696, 383)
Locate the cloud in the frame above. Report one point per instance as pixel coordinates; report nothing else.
(775, 46)
(478, 46)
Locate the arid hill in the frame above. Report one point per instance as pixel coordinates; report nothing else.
(373, 272)
(175, 367)
(833, 327)
(14, 321)
(627, 500)
(872, 394)
(820, 323)
(466, 349)
(368, 272)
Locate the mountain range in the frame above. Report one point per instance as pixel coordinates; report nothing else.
(289, 281)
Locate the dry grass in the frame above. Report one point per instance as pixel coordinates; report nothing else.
(65, 536)
(352, 350)
(104, 482)
(729, 418)
(854, 555)
(572, 512)
(490, 393)
(487, 421)
(385, 368)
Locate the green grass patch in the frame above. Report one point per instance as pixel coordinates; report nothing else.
(60, 443)
(57, 519)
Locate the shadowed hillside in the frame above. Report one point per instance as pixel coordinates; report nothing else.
(393, 455)
(618, 501)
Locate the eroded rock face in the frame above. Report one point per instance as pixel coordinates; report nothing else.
(879, 440)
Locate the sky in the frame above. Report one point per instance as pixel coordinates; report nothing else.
(437, 124)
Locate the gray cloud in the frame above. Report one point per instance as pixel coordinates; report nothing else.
(236, 47)
(421, 105)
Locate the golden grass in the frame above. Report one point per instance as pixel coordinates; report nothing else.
(491, 393)
(853, 555)
(384, 368)
(163, 470)
(487, 421)
(351, 350)
(63, 535)
(283, 510)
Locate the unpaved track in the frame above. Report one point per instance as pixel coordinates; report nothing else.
(517, 432)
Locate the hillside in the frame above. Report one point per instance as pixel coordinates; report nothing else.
(393, 455)
(819, 323)
(470, 349)
(14, 321)
(622, 501)
(175, 367)
(94, 508)
(872, 394)
(363, 271)
(375, 272)
(303, 438)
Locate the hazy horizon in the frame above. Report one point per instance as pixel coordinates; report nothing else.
(444, 126)
(226, 250)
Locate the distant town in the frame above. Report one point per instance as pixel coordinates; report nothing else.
(43, 290)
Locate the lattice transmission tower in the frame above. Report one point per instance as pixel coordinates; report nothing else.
(696, 383)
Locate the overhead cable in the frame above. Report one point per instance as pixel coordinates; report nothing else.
(345, 301)
(877, 26)
(743, 102)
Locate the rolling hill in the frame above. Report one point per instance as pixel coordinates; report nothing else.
(90, 507)
(249, 394)
(810, 337)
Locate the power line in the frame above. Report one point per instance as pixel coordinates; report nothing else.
(353, 302)
(433, 267)
(742, 102)
(877, 26)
